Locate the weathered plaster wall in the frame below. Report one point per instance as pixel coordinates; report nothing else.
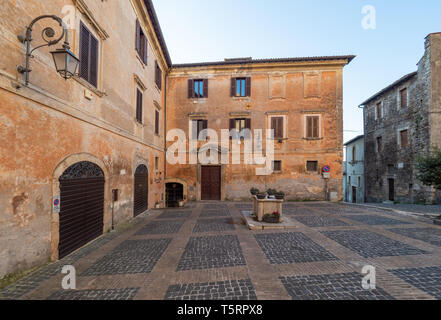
(275, 90)
(51, 123)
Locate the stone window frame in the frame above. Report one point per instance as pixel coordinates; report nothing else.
(283, 115)
(377, 151)
(376, 110)
(83, 16)
(405, 87)
(320, 115)
(399, 130)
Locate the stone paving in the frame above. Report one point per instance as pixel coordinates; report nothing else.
(339, 286)
(204, 252)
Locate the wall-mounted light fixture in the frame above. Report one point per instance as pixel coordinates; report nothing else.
(66, 63)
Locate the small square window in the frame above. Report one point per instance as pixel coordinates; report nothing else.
(277, 165)
(312, 166)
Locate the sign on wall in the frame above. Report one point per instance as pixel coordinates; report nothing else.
(56, 204)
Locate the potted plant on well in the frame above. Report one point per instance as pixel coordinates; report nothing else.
(272, 218)
(254, 191)
(271, 192)
(261, 195)
(280, 195)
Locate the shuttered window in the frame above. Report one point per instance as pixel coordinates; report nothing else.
(158, 75)
(197, 88)
(239, 124)
(157, 122)
(312, 166)
(404, 138)
(277, 165)
(198, 127)
(138, 105)
(141, 43)
(277, 126)
(312, 127)
(88, 56)
(241, 87)
(403, 98)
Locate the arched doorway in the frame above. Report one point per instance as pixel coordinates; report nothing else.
(174, 194)
(141, 190)
(82, 206)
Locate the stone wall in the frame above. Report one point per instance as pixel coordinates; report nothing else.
(51, 122)
(275, 90)
(395, 162)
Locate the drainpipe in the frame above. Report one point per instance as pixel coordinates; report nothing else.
(165, 136)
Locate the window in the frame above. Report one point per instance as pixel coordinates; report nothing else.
(138, 106)
(312, 127)
(158, 75)
(241, 87)
(379, 144)
(156, 122)
(354, 154)
(156, 163)
(197, 89)
(403, 98)
(239, 124)
(141, 43)
(404, 138)
(359, 182)
(277, 165)
(312, 166)
(379, 109)
(197, 127)
(277, 126)
(390, 168)
(88, 56)
(350, 180)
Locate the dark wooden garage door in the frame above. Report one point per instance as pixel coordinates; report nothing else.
(141, 197)
(211, 183)
(82, 206)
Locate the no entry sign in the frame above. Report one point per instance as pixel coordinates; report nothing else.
(326, 169)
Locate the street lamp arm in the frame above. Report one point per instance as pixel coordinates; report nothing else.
(47, 34)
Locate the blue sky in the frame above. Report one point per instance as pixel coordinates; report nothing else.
(211, 30)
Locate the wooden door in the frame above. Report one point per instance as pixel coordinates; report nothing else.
(391, 189)
(211, 183)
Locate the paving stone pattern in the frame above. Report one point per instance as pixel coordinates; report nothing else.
(294, 247)
(369, 244)
(429, 235)
(161, 227)
(211, 225)
(103, 294)
(211, 252)
(426, 279)
(374, 220)
(223, 290)
(320, 221)
(342, 286)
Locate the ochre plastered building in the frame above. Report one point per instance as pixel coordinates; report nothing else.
(104, 131)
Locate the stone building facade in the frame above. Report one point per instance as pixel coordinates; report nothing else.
(81, 156)
(301, 99)
(402, 122)
(53, 131)
(353, 176)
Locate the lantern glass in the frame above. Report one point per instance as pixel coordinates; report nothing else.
(66, 63)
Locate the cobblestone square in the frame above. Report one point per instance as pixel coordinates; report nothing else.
(223, 290)
(161, 227)
(374, 220)
(214, 213)
(429, 235)
(104, 294)
(370, 245)
(211, 252)
(211, 225)
(294, 247)
(343, 286)
(426, 279)
(165, 255)
(320, 221)
(130, 257)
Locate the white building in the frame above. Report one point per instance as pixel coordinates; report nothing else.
(353, 180)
